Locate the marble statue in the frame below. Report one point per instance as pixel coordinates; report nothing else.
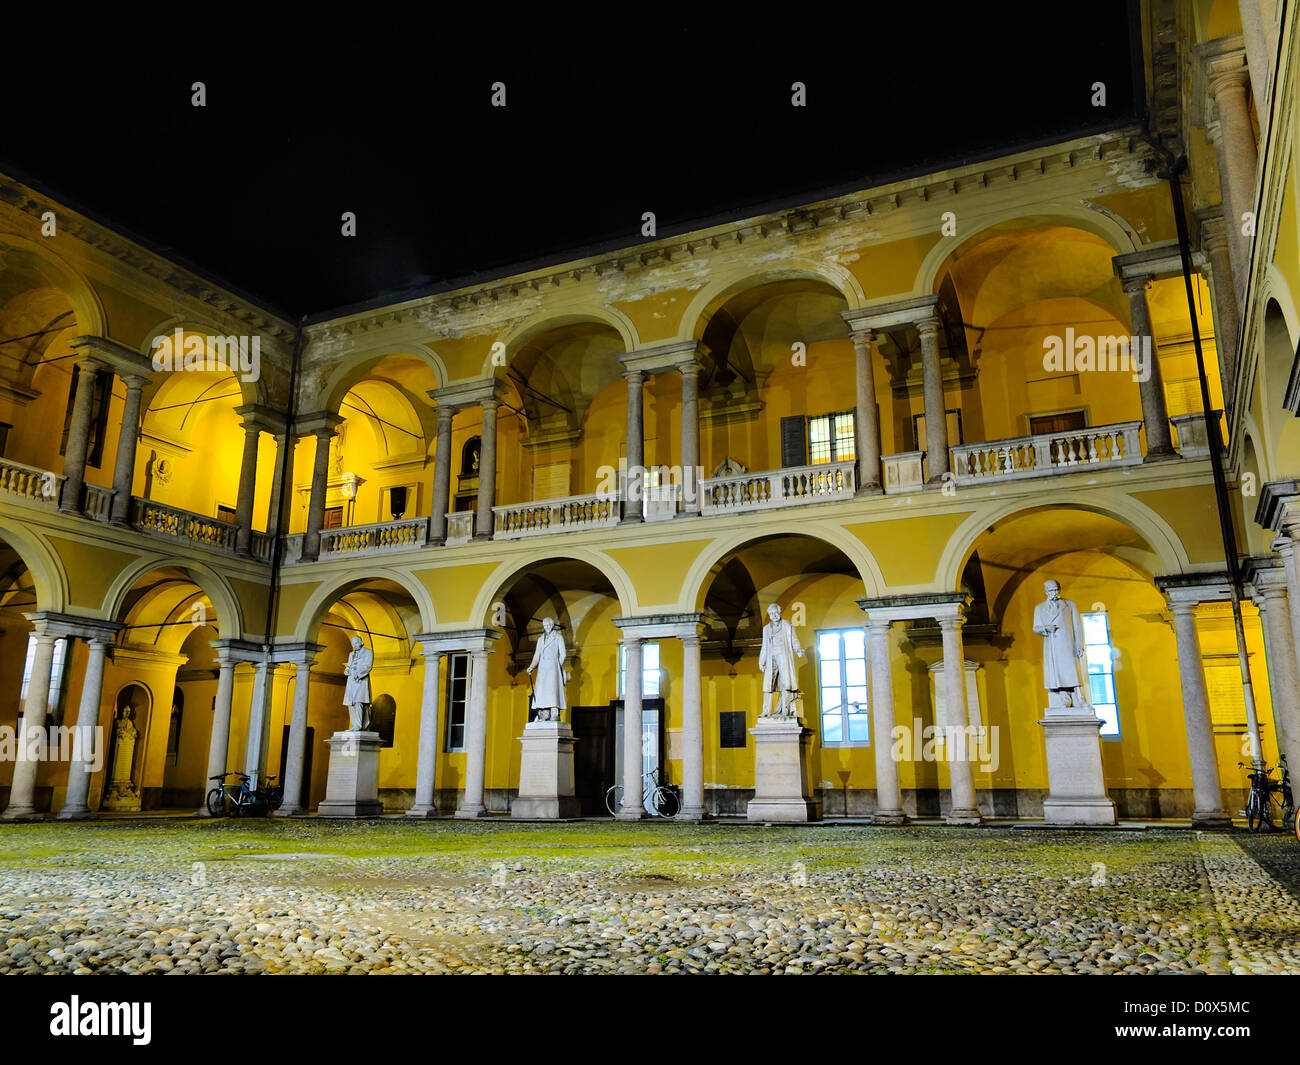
(356, 696)
(123, 753)
(1057, 621)
(548, 661)
(777, 661)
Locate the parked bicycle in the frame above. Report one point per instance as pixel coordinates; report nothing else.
(236, 800)
(658, 799)
(272, 794)
(1270, 803)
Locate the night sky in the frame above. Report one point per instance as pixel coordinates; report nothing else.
(608, 115)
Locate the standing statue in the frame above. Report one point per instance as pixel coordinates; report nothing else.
(1057, 621)
(777, 661)
(119, 778)
(356, 696)
(548, 660)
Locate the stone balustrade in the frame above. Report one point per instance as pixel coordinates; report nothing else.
(460, 526)
(768, 489)
(374, 539)
(1045, 454)
(97, 502)
(176, 524)
(566, 514)
(29, 484)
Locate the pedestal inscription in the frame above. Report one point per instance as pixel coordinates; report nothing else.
(352, 787)
(546, 773)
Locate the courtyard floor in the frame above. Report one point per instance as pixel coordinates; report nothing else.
(390, 896)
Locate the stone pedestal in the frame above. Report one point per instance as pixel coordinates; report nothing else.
(781, 772)
(1075, 779)
(352, 787)
(546, 773)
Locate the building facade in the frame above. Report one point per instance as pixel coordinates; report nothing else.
(895, 413)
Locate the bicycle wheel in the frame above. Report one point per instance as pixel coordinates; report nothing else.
(274, 798)
(666, 803)
(217, 802)
(1295, 825)
(1254, 812)
(613, 799)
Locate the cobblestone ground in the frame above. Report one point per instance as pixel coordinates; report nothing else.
(393, 897)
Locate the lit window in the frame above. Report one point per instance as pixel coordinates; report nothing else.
(842, 672)
(830, 438)
(649, 670)
(58, 672)
(457, 692)
(1101, 671)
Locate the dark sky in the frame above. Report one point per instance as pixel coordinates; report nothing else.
(608, 115)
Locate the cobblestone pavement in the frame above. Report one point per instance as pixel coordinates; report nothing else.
(390, 897)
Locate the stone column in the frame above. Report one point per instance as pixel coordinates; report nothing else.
(1283, 675)
(84, 739)
(320, 471)
(1155, 414)
(936, 416)
(247, 487)
(276, 522)
(635, 448)
(22, 792)
(1238, 160)
(255, 742)
(1285, 546)
(471, 802)
(219, 743)
(1255, 37)
(1223, 294)
(74, 454)
(1207, 798)
(124, 467)
(865, 427)
(425, 805)
(690, 372)
(692, 733)
(889, 802)
(631, 809)
(961, 781)
(442, 476)
(296, 756)
(487, 470)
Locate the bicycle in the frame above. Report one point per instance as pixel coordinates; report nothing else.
(659, 800)
(235, 800)
(272, 794)
(1269, 797)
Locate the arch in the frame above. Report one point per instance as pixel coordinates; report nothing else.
(694, 586)
(230, 619)
(356, 364)
(696, 316)
(505, 574)
(48, 574)
(251, 391)
(586, 314)
(1275, 288)
(1144, 521)
(322, 600)
(85, 301)
(1100, 221)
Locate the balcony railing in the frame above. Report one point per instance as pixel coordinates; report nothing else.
(777, 488)
(97, 502)
(567, 514)
(30, 484)
(177, 524)
(374, 539)
(260, 545)
(1096, 447)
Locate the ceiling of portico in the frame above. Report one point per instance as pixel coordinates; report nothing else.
(557, 373)
(36, 319)
(380, 611)
(164, 609)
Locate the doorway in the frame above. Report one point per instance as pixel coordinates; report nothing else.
(593, 757)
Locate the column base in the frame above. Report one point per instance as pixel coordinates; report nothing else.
(21, 813)
(1214, 820)
(79, 813)
(964, 818)
(1161, 455)
(469, 813)
(290, 811)
(634, 814)
(797, 811)
(694, 814)
(873, 489)
(480, 537)
(422, 812)
(635, 519)
(889, 817)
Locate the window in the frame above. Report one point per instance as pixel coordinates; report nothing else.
(1066, 422)
(649, 670)
(457, 692)
(1101, 671)
(731, 728)
(954, 429)
(333, 518)
(830, 438)
(842, 669)
(58, 674)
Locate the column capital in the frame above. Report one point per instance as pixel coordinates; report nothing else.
(1265, 577)
(1279, 506)
(450, 640)
(457, 395)
(862, 338)
(1135, 283)
(1194, 588)
(261, 418)
(1148, 263)
(890, 608)
(883, 315)
(50, 623)
(297, 654)
(317, 423)
(634, 377)
(662, 358)
(110, 355)
(927, 327)
(660, 626)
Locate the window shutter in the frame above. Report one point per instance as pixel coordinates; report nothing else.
(794, 445)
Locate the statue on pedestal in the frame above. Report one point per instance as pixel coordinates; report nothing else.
(120, 784)
(548, 660)
(356, 696)
(1057, 621)
(777, 661)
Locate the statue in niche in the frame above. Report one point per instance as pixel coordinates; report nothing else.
(548, 660)
(356, 696)
(1057, 621)
(776, 659)
(125, 734)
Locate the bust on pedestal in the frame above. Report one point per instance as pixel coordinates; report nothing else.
(352, 786)
(546, 766)
(780, 740)
(1075, 778)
